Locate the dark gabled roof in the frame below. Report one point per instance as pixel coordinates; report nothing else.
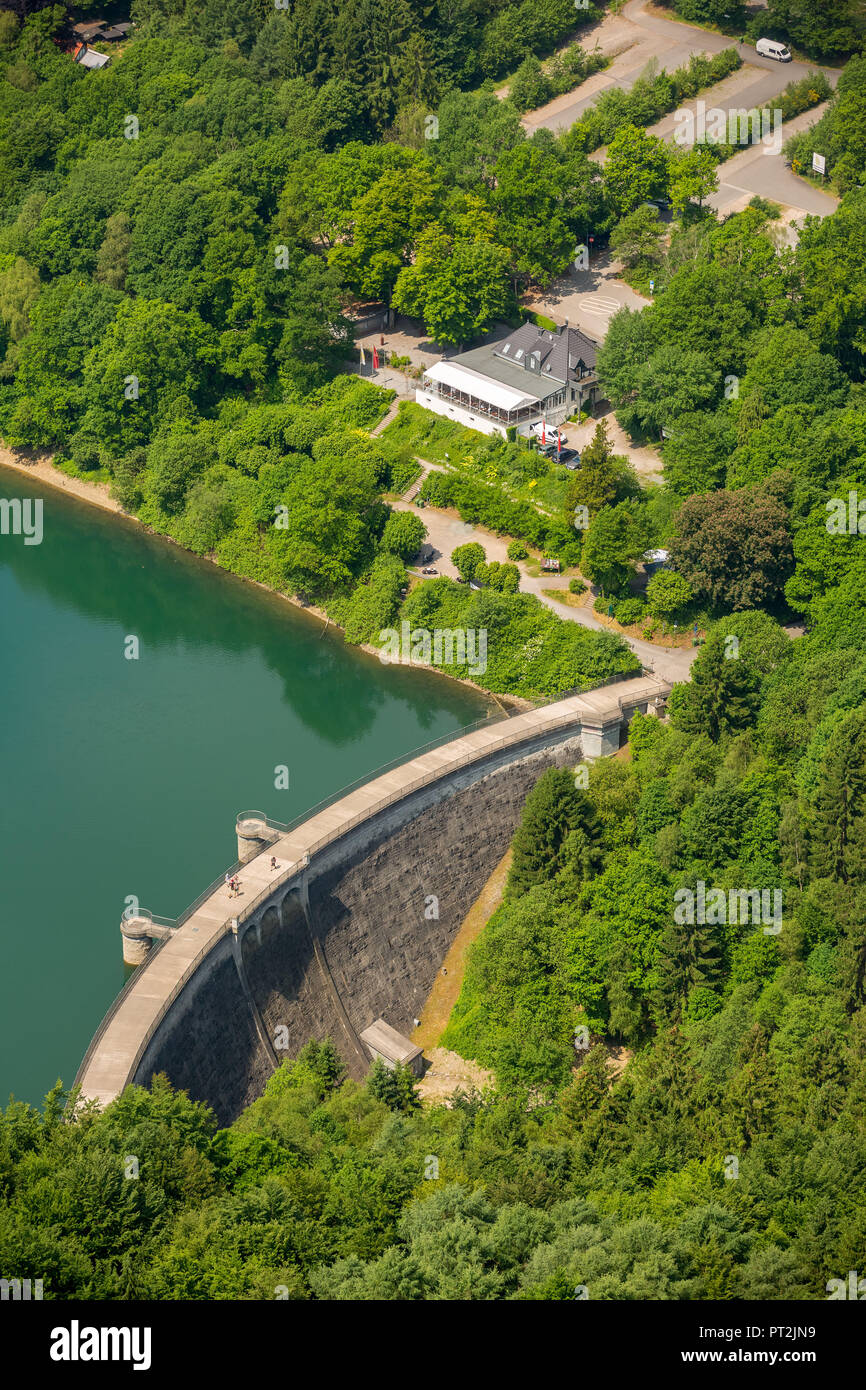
(98, 29)
(562, 352)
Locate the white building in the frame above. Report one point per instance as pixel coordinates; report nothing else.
(532, 375)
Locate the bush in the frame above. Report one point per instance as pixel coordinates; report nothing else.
(403, 535)
(576, 586)
(573, 66)
(668, 592)
(401, 474)
(469, 559)
(531, 87)
(650, 98)
(531, 651)
(504, 579)
(771, 210)
(629, 611)
(478, 503)
(517, 550)
(801, 95)
(527, 27)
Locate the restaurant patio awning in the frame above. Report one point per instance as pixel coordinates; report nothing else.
(483, 388)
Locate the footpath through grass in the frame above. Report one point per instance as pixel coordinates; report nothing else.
(523, 474)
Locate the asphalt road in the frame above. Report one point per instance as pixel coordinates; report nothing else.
(445, 531)
(637, 38)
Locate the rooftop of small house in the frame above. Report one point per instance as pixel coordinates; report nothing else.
(88, 57)
(97, 29)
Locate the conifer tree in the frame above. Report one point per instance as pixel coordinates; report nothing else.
(724, 695)
(838, 829)
(626, 1013)
(595, 485)
(553, 808)
(393, 1085)
(689, 955)
(588, 1089)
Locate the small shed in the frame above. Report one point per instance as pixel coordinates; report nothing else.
(89, 58)
(384, 1042)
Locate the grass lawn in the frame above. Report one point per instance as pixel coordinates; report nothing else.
(522, 473)
(564, 596)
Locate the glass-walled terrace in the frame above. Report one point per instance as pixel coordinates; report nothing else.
(478, 406)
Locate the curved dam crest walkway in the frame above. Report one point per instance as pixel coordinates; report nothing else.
(129, 1029)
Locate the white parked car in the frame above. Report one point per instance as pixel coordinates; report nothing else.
(769, 48)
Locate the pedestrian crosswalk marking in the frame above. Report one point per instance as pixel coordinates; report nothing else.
(598, 305)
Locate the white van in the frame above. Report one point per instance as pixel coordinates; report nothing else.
(768, 48)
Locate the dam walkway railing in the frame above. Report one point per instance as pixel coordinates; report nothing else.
(487, 722)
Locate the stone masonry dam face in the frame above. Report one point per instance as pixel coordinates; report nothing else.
(349, 930)
(367, 943)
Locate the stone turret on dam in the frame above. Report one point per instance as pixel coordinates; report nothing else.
(344, 918)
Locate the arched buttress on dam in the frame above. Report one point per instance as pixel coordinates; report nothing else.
(355, 929)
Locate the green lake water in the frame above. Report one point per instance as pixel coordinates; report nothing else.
(123, 777)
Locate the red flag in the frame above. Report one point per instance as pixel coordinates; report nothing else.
(375, 359)
(543, 434)
(558, 444)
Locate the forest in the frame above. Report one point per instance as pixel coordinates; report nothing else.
(678, 1107)
(184, 234)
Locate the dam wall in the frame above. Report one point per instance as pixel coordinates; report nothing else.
(380, 942)
(354, 922)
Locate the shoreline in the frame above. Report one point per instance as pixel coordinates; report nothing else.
(98, 495)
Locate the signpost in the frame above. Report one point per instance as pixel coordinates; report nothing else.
(819, 163)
